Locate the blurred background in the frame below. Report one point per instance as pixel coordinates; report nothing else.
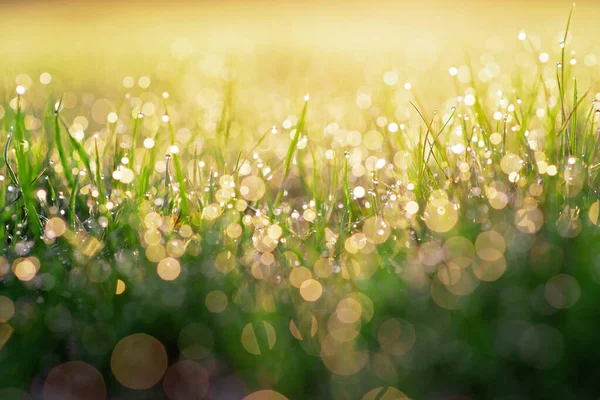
(97, 39)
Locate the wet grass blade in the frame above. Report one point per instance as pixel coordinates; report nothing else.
(291, 151)
(73, 201)
(99, 181)
(260, 141)
(23, 174)
(574, 119)
(9, 169)
(83, 155)
(147, 167)
(561, 81)
(136, 131)
(62, 154)
(179, 175)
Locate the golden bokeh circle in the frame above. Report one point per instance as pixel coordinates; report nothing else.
(440, 215)
(311, 290)
(139, 361)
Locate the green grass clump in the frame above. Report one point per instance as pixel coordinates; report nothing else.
(356, 246)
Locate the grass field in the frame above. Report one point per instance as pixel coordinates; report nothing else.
(299, 212)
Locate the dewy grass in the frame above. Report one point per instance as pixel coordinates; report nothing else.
(371, 246)
(291, 151)
(174, 151)
(59, 144)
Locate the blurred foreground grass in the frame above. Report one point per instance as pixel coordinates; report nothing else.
(422, 224)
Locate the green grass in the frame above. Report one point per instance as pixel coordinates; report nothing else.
(443, 250)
